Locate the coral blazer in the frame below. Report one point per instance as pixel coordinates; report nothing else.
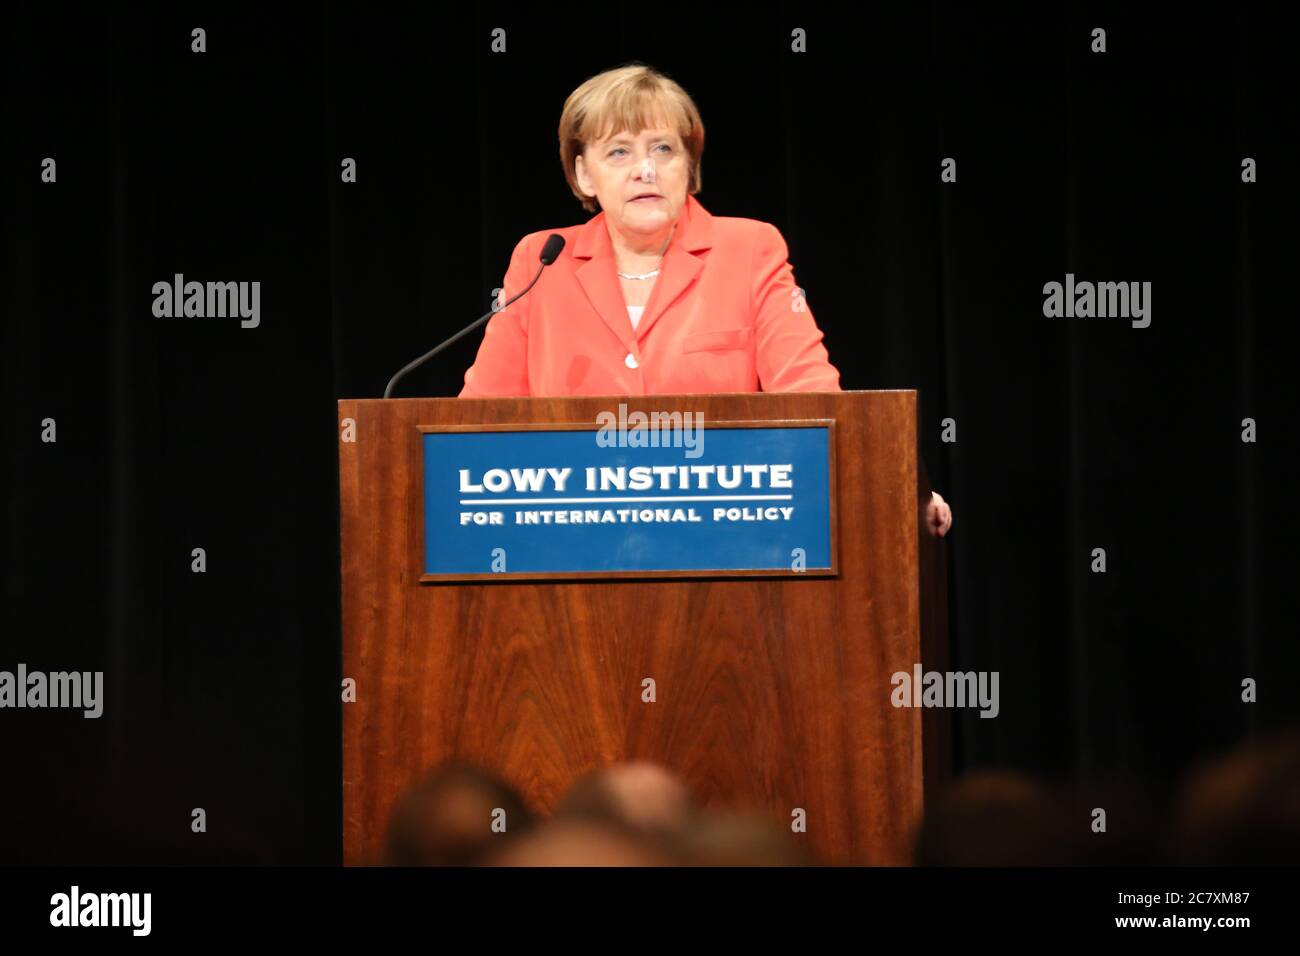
(724, 315)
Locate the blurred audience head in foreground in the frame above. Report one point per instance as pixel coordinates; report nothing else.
(1242, 808)
(633, 814)
(447, 818)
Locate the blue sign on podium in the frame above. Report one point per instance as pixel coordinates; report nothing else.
(568, 501)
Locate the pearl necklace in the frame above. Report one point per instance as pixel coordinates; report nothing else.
(648, 275)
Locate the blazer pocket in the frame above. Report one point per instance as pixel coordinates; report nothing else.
(718, 340)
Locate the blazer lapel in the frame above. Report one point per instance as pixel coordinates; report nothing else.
(598, 276)
(681, 265)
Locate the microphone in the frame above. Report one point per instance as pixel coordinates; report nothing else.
(550, 252)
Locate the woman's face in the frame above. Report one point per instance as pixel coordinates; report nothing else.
(621, 167)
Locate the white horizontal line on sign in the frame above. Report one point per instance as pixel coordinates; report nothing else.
(583, 501)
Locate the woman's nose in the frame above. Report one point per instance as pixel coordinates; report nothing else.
(648, 169)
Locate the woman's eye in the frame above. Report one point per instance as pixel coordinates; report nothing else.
(620, 149)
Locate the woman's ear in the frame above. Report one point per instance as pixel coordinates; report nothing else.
(584, 183)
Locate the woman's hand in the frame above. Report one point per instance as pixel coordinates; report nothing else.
(938, 516)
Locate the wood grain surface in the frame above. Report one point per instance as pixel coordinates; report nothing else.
(773, 693)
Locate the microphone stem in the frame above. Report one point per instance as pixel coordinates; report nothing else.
(388, 391)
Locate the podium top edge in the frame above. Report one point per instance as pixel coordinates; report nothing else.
(666, 396)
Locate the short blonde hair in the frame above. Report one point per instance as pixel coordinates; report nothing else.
(627, 99)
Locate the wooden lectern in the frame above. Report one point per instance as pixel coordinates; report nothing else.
(773, 692)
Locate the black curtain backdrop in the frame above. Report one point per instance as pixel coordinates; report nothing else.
(222, 688)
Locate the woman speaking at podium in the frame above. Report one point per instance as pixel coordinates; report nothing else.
(654, 295)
